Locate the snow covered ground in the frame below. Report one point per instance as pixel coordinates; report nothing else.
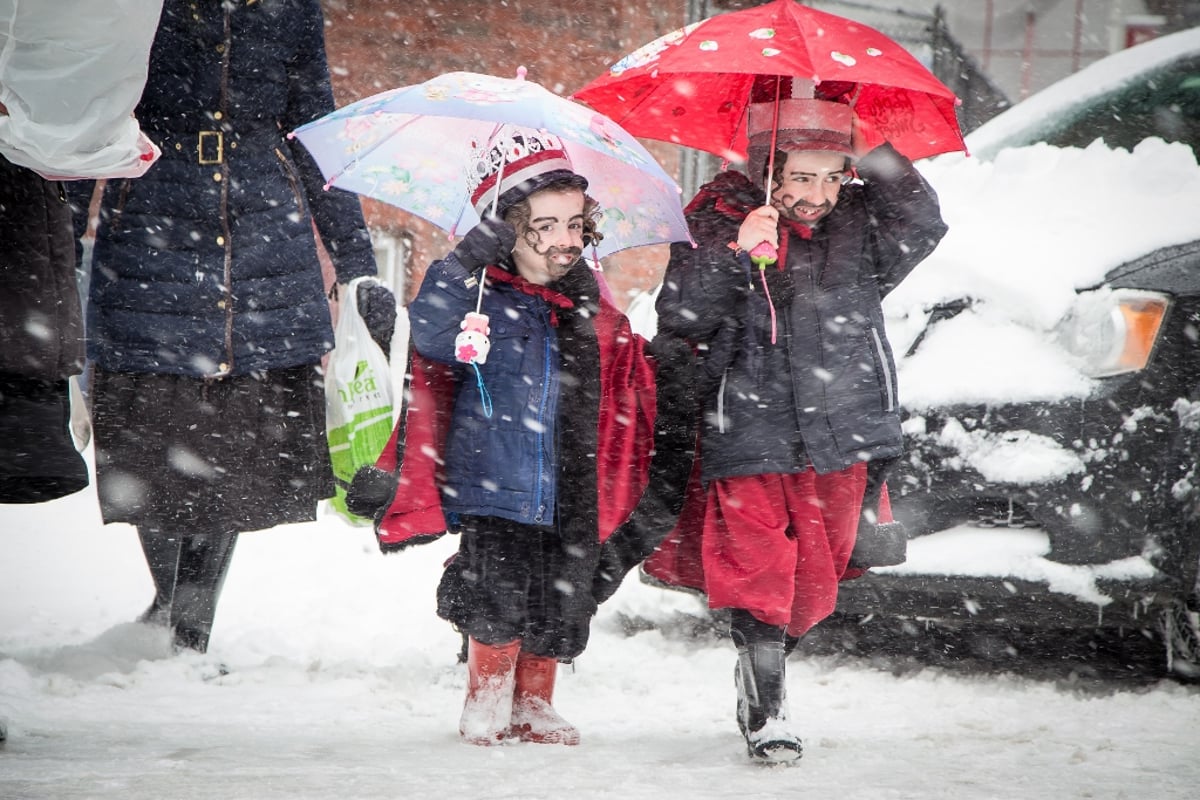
(342, 682)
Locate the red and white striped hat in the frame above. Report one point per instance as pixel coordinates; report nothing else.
(524, 162)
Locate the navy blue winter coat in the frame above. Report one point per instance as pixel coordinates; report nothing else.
(824, 392)
(503, 463)
(207, 265)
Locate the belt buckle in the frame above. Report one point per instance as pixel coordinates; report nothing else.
(220, 145)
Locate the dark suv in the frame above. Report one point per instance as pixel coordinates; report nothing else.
(1117, 536)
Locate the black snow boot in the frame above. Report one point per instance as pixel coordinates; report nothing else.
(760, 677)
(161, 549)
(203, 564)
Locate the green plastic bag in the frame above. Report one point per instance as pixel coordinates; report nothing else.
(358, 399)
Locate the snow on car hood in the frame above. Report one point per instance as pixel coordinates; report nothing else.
(1027, 231)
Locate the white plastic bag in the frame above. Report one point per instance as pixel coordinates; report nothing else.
(71, 74)
(358, 397)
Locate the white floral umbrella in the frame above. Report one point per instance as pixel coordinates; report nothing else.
(411, 147)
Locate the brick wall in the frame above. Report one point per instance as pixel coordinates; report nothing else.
(375, 45)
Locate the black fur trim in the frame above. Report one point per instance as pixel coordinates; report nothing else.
(670, 465)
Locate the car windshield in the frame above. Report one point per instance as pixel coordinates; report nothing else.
(1150, 90)
(1165, 104)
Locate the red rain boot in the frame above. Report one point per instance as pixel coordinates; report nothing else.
(533, 718)
(491, 675)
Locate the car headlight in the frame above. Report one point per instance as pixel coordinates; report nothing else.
(1112, 331)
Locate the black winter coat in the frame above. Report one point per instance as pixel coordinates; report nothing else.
(825, 391)
(41, 320)
(41, 328)
(207, 265)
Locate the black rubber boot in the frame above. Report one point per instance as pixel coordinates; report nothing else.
(161, 550)
(761, 683)
(203, 564)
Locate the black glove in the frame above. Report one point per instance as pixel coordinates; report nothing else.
(377, 307)
(568, 632)
(489, 242)
(371, 492)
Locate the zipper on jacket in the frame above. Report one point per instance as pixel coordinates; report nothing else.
(721, 402)
(888, 388)
(227, 277)
(538, 499)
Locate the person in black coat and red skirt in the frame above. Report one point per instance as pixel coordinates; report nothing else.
(799, 384)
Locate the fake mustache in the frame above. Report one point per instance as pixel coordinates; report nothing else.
(826, 206)
(575, 252)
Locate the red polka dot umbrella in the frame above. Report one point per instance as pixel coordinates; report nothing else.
(694, 85)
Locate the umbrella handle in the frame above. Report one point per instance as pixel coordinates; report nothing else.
(764, 254)
(774, 140)
(472, 345)
(479, 297)
(495, 203)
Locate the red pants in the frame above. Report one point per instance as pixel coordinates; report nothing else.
(776, 545)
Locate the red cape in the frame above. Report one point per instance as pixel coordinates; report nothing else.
(625, 437)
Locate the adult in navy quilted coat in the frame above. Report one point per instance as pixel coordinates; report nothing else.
(207, 315)
(800, 387)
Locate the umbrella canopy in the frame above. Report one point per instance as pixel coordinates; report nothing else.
(693, 86)
(412, 147)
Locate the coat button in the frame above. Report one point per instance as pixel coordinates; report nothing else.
(220, 48)
(221, 304)
(217, 177)
(221, 240)
(218, 115)
(223, 367)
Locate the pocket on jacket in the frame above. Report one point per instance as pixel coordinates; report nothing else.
(511, 343)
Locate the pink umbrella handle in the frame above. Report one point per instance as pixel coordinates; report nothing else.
(764, 254)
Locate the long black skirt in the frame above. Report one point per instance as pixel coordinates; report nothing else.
(503, 584)
(241, 453)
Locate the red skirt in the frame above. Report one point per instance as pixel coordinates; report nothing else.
(777, 545)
